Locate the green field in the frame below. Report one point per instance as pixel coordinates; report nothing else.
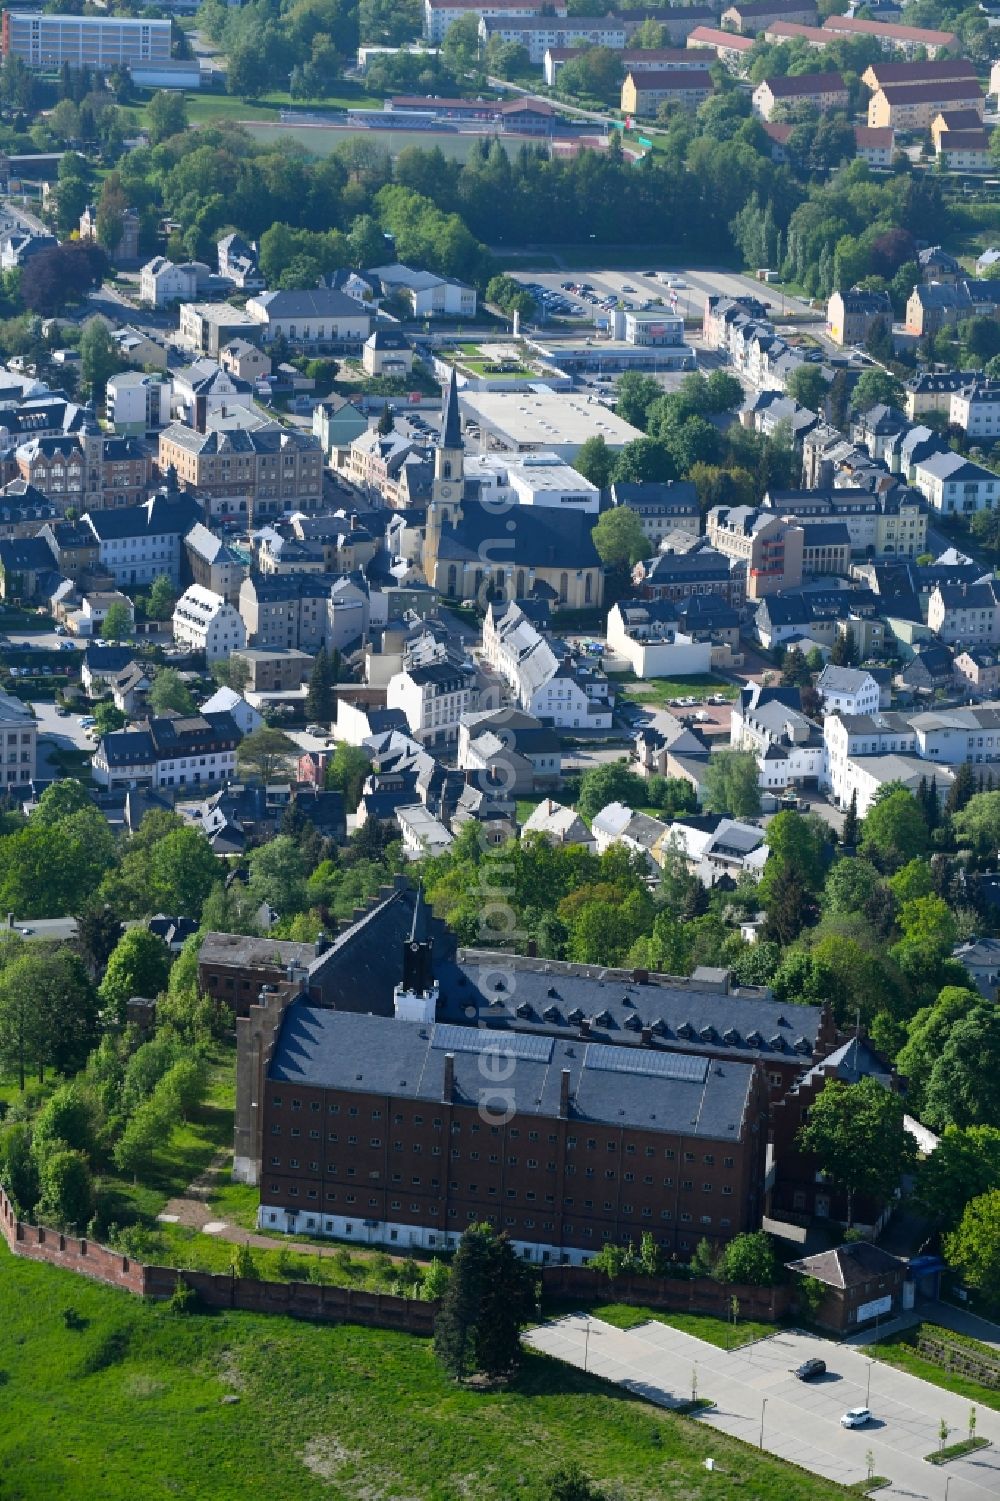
(130, 1403)
(704, 1326)
(320, 140)
(664, 691)
(899, 1352)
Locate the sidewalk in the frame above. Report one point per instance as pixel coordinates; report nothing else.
(963, 1322)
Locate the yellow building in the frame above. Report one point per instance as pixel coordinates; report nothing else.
(914, 106)
(643, 93)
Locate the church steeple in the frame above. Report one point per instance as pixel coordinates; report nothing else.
(449, 457)
(418, 968)
(416, 995)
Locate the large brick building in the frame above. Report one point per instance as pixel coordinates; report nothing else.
(273, 468)
(395, 1089)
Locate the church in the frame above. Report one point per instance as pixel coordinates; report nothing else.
(499, 550)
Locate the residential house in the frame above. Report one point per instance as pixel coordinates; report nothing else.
(270, 471)
(238, 262)
(825, 92)
(848, 690)
(162, 282)
(875, 146)
(169, 751)
(940, 70)
(274, 669)
(716, 848)
(637, 832)
(511, 749)
(975, 408)
(758, 15)
(138, 543)
(931, 391)
(676, 576)
(981, 958)
(130, 689)
(213, 564)
(138, 348)
(929, 669)
(661, 507)
(26, 563)
(730, 48)
(337, 422)
(931, 307)
(893, 38)
(963, 150)
(286, 610)
(851, 316)
(966, 613)
(241, 358)
(205, 388)
(387, 352)
(547, 685)
(788, 746)
(559, 825)
(207, 327)
(228, 701)
(207, 622)
(101, 665)
(954, 485)
(977, 670)
(18, 742)
(137, 403)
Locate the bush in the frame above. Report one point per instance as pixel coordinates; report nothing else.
(184, 1298)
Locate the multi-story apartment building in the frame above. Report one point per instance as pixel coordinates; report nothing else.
(966, 613)
(275, 469)
(644, 91)
(679, 575)
(207, 622)
(904, 106)
(825, 92)
(752, 18)
(440, 14)
(288, 610)
(207, 327)
(538, 33)
(769, 546)
(850, 316)
(434, 697)
(848, 690)
(889, 525)
(101, 43)
(194, 750)
(976, 409)
(661, 508)
(18, 742)
(902, 41)
(954, 485)
(138, 543)
(552, 688)
(138, 403)
(848, 736)
(212, 563)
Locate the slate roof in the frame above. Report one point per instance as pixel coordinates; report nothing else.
(848, 1266)
(385, 1057)
(317, 302)
(156, 517)
(542, 537)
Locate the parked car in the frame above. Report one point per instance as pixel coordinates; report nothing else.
(25, 932)
(810, 1369)
(856, 1417)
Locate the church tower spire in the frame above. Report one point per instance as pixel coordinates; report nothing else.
(449, 457)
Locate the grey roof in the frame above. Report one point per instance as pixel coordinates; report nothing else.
(317, 302)
(841, 679)
(385, 1057)
(848, 1266)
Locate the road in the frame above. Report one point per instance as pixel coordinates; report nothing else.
(758, 1400)
(45, 929)
(65, 730)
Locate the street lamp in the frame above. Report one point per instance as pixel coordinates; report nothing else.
(586, 1343)
(868, 1390)
(763, 1405)
(947, 1488)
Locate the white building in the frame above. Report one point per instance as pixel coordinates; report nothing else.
(618, 824)
(850, 737)
(422, 833)
(954, 485)
(429, 295)
(228, 701)
(559, 422)
(162, 282)
(550, 688)
(433, 697)
(196, 750)
(966, 613)
(559, 825)
(100, 43)
(848, 690)
(18, 742)
(788, 746)
(206, 622)
(976, 409)
(137, 404)
(645, 633)
(440, 14)
(533, 479)
(314, 318)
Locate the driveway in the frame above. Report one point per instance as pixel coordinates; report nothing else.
(66, 730)
(755, 1394)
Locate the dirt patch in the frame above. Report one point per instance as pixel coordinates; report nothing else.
(191, 1207)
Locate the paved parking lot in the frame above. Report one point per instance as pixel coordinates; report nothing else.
(755, 1393)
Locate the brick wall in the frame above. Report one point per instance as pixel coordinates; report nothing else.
(699, 1295)
(305, 1300)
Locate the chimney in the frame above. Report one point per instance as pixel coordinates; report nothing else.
(532, 949)
(564, 1094)
(585, 1027)
(646, 1036)
(448, 1087)
(640, 976)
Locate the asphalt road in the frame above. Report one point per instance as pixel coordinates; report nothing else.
(65, 730)
(690, 299)
(46, 929)
(758, 1400)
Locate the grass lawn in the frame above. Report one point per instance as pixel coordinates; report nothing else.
(701, 1325)
(527, 805)
(660, 691)
(205, 109)
(131, 1404)
(900, 1353)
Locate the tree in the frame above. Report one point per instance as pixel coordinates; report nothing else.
(978, 822)
(169, 693)
(60, 800)
(118, 621)
(750, 1258)
(321, 699)
(961, 790)
(48, 1012)
(161, 599)
(927, 1034)
(876, 387)
(265, 754)
(619, 538)
(644, 461)
(796, 844)
(844, 652)
(98, 929)
(595, 461)
(964, 1164)
(857, 1133)
(139, 966)
(612, 782)
(67, 1119)
(346, 772)
(634, 395)
(790, 907)
(894, 831)
(489, 1298)
(99, 360)
(974, 1248)
(278, 876)
(964, 1084)
(732, 784)
(67, 1191)
(166, 115)
(808, 385)
(182, 870)
(852, 825)
(569, 1483)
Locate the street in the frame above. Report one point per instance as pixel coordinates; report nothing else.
(758, 1400)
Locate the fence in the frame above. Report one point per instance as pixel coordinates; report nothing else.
(305, 1300)
(673, 1295)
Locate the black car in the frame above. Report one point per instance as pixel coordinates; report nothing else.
(810, 1369)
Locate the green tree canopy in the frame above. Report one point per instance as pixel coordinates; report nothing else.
(169, 692)
(732, 784)
(857, 1133)
(118, 621)
(894, 831)
(620, 539)
(974, 1248)
(139, 966)
(489, 1298)
(964, 1164)
(964, 1084)
(611, 782)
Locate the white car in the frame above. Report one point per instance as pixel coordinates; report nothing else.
(856, 1417)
